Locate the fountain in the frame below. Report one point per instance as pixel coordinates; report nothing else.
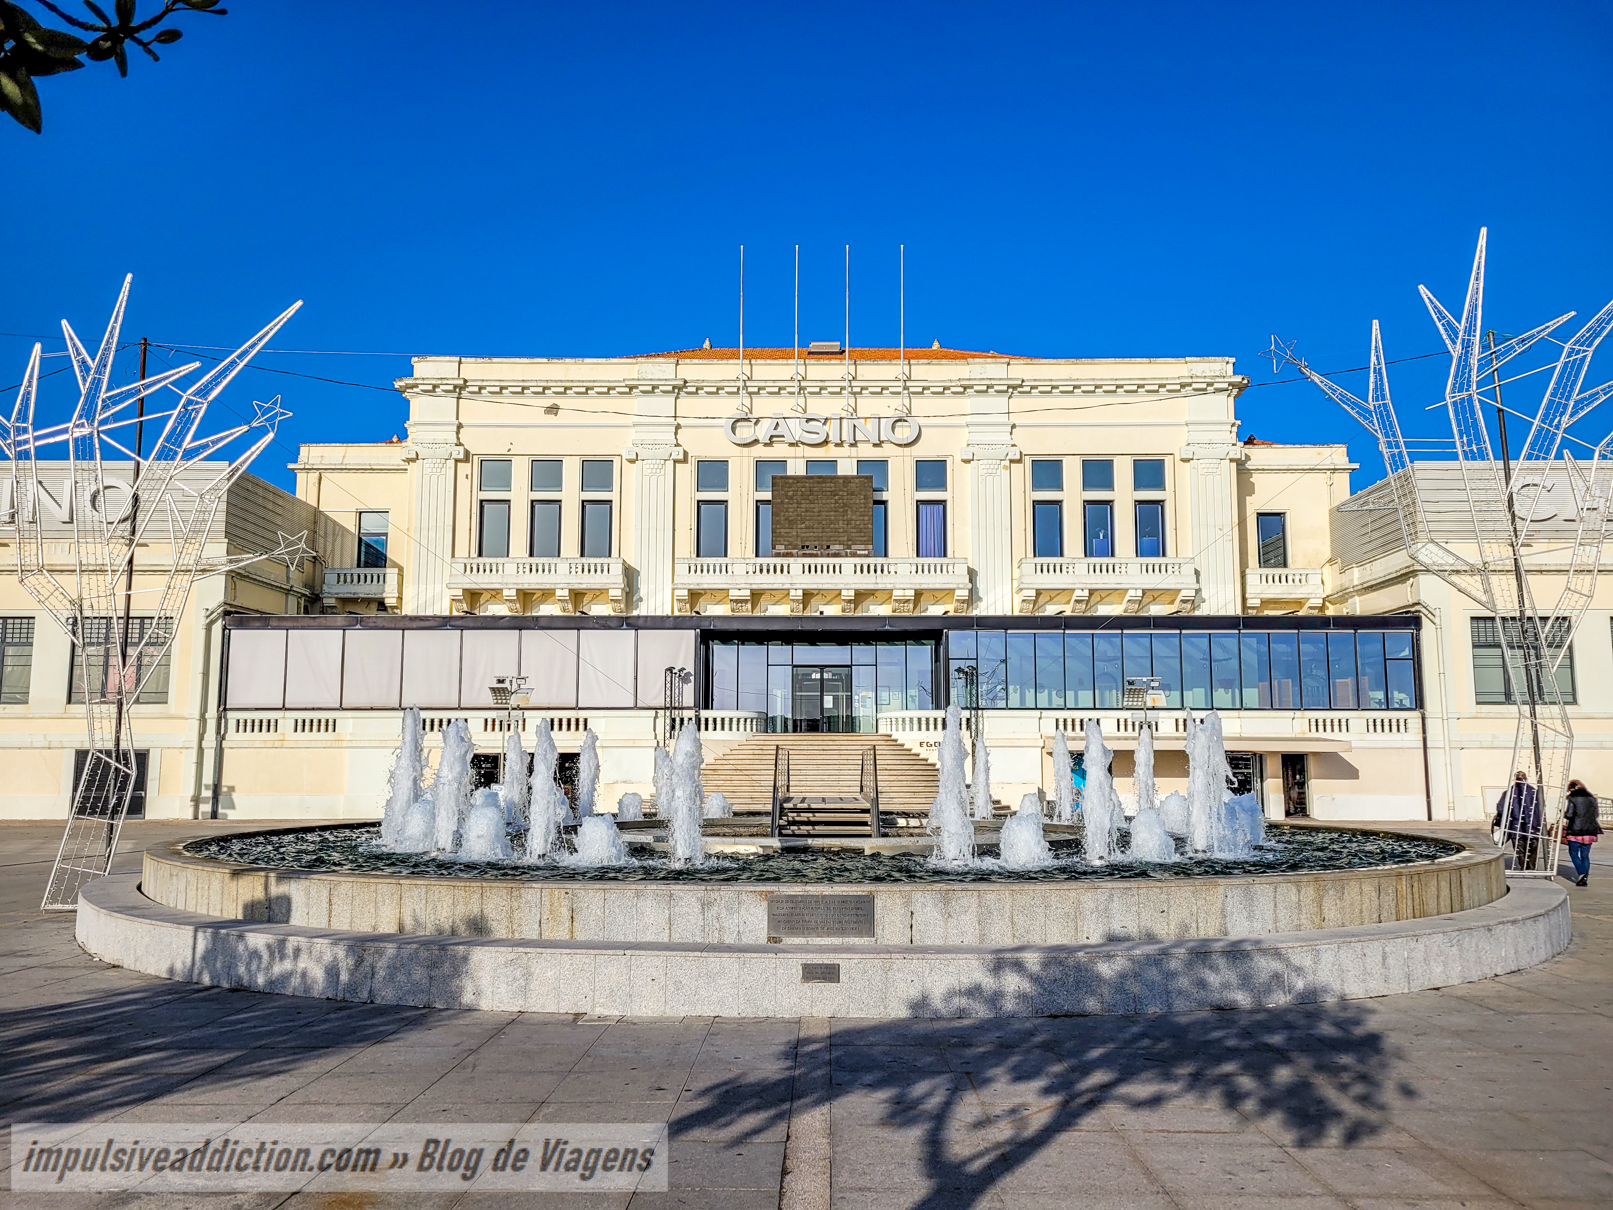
(1100, 805)
(418, 831)
(1173, 811)
(1022, 845)
(450, 792)
(1149, 839)
(718, 807)
(1143, 774)
(630, 807)
(547, 806)
(588, 774)
(599, 844)
(1063, 780)
(981, 788)
(1245, 826)
(485, 837)
(515, 791)
(407, 772)
(688, 798)
(949, 813)
(661, 783)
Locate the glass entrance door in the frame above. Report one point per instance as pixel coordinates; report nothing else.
(821, 699)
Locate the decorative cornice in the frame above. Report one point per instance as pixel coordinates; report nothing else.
(894, 389)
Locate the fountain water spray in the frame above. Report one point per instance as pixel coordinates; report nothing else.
(718, 807)
(1149, 839)
(630, 806)
(515, 790)
(547, 806)
(1174, 813)
(949, 813)
(484, 837)
(1245, 826)
(1022, 845)
(1143, 769)
(1100, 805)
(599, 843)
(661, 783)
(588, 774)
(418, 831)
(451, 791)
(1063, 780)
(688, 798)
(981, 789)
(407, 772)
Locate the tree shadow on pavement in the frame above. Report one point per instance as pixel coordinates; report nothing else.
(987, 1089)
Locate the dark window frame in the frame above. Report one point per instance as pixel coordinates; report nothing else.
(16, 652)
(532, 527)
(588, 507)
(1137, 528)
(1262, 555)
(701, 508)
(482, 507)
(1038, 509)
(1086, 528)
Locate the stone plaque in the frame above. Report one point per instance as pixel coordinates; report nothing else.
(820, 915)
(820, 972)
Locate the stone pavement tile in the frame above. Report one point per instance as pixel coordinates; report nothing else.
(331, 1111)
(399, 1056)
(1540, 1174)
(359, 1026)
(1069, 1162)
(164, 1111)
(543, 1201)
(610, 1111)
(655, 1084)
(1261, 1201)
(434, 1110)
(1494, 1202)
(604, 1055)
(1177, 1114)
(1235, 1166)
(718, 1123)
(961, 1198)
(394, 1201)
(707, 1199)
(532, 1056)
(357, 1089)
(495, 1086)
(1590, 1129)
(910, 1085)
(1447, 1127)
(1385, 1171)
(744, 1165)
(1473, 1093)
(263, 1076)
(887, 1058)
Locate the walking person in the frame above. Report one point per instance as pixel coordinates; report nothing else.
(1581, 827)
(1519, 807)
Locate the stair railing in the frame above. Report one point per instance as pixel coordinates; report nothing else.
(781, 782)
(869, 789)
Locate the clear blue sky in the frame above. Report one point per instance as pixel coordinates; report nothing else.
(1070, 180)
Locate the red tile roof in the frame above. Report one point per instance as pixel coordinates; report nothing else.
(857, 354)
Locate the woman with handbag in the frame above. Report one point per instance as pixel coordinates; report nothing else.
(1581, 827)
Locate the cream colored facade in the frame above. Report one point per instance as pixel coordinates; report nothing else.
(604, 538)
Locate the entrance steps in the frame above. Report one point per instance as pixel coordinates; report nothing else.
(825, 766)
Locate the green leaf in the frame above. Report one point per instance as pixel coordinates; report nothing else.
(19, 98)
(99, 12)
(199, 5)
(53, 42)
(103, 48)
(125, 10)
(168, 36)
(121, 57)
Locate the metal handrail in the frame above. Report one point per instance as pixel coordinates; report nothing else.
(870, 790)
(781, 781)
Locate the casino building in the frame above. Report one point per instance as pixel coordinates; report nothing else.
(824, 548)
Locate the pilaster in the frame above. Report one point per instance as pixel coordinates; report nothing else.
(653, 451)
(1212, 451)
(434, 448)
(989, 450)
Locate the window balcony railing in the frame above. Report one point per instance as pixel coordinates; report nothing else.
(562, 577)
(362, 584)
(1262, 584)
(1136, 578)
(740, 578)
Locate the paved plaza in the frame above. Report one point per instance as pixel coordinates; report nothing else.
(1488, 1095)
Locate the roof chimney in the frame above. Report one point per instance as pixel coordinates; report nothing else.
(707, 345)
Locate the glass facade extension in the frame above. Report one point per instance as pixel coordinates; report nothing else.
(822, 686)
(1211, 669)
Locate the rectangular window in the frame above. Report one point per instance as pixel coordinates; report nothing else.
(1168, 666)
(1106, 680)
(711, 475)
(725, 676)
(1492, 680)
(1021, 673)
(930, 475)
(1049, 529)
(920, 677)
(372, 528)
(596, 528)
(1272, 529)
(993, 666)
(1399, 671)
(544, 542)
(1225, 683)
(1097, 475)
(598, 474)
(547, 474)
(1373, 692)
(822, 466)
(1078, 671)
(1148, 474)
(881, 530)
(100, 639)
(711, 538)
(1256, 672)
(1139, 655)
(890, 668)
(1151, 529)
(1049, 671)
(493, 531)
(764, 530)
(496, 474)
(1341, 668)
(16, 659)
(766, 468)
(1100, 530)
(932, 522)
(876, 469)
(1196, 670)
(1285, 692)
(1047, 475)
(1313, 670)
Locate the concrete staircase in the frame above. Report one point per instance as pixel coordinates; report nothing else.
(822, 766)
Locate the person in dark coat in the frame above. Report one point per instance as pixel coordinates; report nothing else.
(1519, 807)
(1581, 827)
